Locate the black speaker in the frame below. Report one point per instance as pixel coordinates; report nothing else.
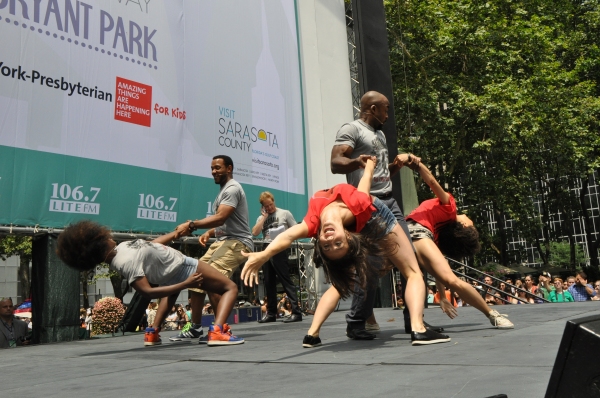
(576, 372)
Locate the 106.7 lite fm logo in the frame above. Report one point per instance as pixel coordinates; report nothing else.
(235, 135)
(79, 199)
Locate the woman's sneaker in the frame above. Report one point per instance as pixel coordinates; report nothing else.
(218, 335)
(151, 337)
(188, 332)
(500, 320)
(428, 337)
(311, 341)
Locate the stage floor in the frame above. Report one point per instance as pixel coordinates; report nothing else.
(480, 361)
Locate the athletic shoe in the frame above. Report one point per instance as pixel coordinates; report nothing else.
(311, 341)
(428, 337)
(188, 332)
(372, 328)
(499, 320)
(151, 337)
(203, 339)
(218, 335)
(359, 334)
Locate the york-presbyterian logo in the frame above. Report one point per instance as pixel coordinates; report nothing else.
(133, 102)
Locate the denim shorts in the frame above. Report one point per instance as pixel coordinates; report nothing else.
(382, 219)
(418, 231)
(189, 266)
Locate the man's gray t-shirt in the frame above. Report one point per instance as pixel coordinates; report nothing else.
(276, 223)
(365, 140)
(237, 226)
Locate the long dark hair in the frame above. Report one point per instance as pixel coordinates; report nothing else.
(457, 241)
(83, 245)
(355, 266)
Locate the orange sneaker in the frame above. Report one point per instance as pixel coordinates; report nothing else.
(151, 337)
(221, 335)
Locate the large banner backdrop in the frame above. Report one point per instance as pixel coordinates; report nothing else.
(112, 110)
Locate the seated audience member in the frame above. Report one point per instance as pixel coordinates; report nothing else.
(171, 320)
(545, 286)
(488, 293)
(498, 299)
(182, 317)
(13, 332)
(430, 295)
(524, 296)
(581, 290)
(558, 295)
(263, 306)
(570, 282)
(529, 285)
(597, 289)
(510, 289)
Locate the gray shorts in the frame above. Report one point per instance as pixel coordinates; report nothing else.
(417, 231)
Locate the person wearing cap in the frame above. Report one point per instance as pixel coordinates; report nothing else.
(545, 286)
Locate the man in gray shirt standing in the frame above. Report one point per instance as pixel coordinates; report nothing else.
(230, 226)
(273, 221)
(355, 143)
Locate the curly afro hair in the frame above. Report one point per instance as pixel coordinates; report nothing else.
(457, 241)
(83, 245)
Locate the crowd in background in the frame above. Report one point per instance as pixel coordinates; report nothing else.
(526, 290)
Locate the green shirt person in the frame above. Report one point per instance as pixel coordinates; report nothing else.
(558, 295)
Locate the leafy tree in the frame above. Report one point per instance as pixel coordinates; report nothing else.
(17, 245)
(501, 99)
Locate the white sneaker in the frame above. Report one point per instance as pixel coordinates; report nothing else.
(372, 328)
(500, 321)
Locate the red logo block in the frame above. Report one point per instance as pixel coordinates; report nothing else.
(134, 102)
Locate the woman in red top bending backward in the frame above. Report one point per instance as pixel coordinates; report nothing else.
(436, 231)
(333, 215)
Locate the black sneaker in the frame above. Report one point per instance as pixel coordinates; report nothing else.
(311, 341)
(408, 328)
(359, 334)
(428, 337)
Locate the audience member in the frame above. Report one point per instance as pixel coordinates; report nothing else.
(89, 319)
(487, 293)
(545, 286)
(13, 332)
(522, 295)
(152, 312)
(263, 305)
(171, 320)
(182, 317)
(570, 281)
(581, 290)
(597, 289)
(529, 285)
(558, 295)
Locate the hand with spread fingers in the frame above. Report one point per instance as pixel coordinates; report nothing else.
(448, 308)
(253, 263)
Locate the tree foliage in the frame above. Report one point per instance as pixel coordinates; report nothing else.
(501, 99)
(18, 245)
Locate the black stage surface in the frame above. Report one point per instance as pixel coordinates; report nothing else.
(480, 361)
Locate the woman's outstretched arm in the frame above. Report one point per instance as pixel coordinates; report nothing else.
(281, 242)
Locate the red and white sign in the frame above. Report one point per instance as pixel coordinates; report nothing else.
(133, 102)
